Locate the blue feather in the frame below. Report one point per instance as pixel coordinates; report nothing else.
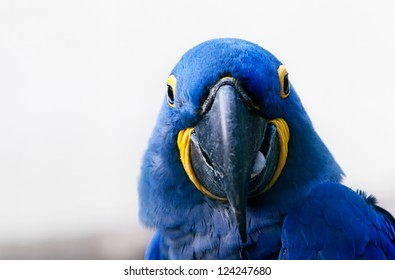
(339, 224)
(307, 214)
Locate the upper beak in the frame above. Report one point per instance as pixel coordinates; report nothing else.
(224, 148)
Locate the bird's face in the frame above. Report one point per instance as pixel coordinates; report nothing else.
(227, 101)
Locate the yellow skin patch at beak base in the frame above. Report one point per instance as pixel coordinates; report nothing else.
(183, 143)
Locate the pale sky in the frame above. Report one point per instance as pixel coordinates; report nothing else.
(81, 83)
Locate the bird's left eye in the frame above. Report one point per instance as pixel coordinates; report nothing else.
(171, 90)
(284, 82)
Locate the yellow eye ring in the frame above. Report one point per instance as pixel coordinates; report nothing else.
(284, 82)
(171, 90)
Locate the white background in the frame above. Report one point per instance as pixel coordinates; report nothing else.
(81, 83)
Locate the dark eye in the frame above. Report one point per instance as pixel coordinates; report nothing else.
(171, 90)
(170, 95)
(284, 82)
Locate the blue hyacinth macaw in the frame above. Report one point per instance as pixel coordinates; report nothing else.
(235, 170)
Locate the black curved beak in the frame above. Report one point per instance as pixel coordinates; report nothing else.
(225, 147)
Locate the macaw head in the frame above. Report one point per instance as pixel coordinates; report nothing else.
(231, 129)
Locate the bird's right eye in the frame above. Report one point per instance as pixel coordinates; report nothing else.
(171, 90)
